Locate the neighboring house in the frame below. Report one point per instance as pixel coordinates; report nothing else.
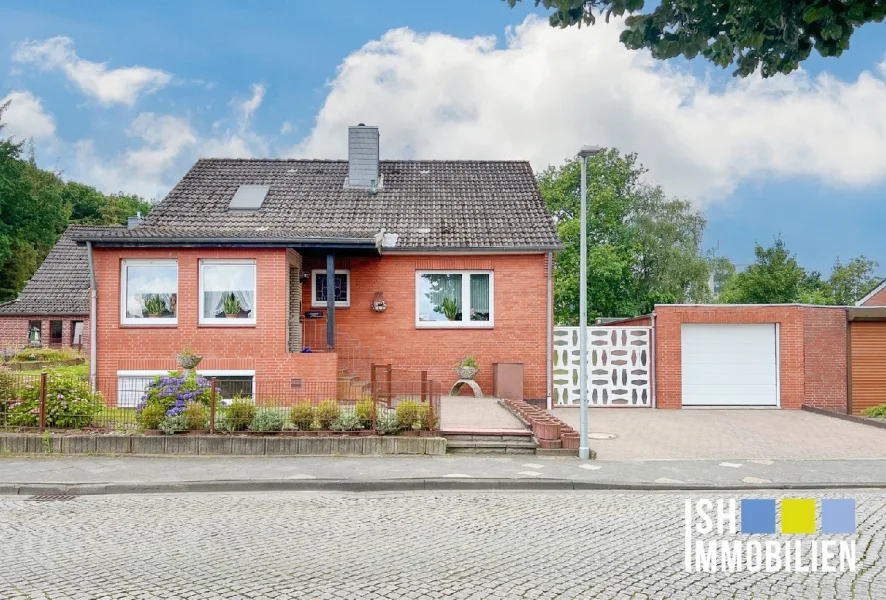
(234, 263)
(767, 355)
(876, 297)
(53, 309)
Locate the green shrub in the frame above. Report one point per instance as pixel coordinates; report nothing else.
(150, 416)
(239, 414)
(424, 418)
(327, 412)
(268, 419)
(173, 423)
(364, 410)
(44, 354)
(470, 362)
(70, 403)
(347, 422)
(407, 413)
(302, 415)
(387, 422)
(875, 411)
(196, 416)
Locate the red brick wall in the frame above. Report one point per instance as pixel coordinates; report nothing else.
(520, 316)
(878, 299)
(518, 336)
(812, 348)
(261, 348)
(14, 330)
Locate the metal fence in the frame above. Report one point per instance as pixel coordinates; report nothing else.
(395, 403)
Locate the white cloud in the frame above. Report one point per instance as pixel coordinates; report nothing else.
(26, 118)
(286, 128)
(245, 108)
(549, 91)
(109, 86)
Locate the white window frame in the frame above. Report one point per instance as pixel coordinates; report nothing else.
(163, 322)
(214, 321)
(465, 301)
(209, 374)
(321, 303)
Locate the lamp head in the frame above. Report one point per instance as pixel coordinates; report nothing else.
(588, 151)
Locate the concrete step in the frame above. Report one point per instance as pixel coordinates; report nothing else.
(500, 443)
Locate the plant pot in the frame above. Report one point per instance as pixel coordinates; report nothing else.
(570, 441)
(232, 316)
(466, 372)
(188, 361)
(547, 430)
(550, 444)
(154, 315)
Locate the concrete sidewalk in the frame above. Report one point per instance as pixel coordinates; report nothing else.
(102, 475)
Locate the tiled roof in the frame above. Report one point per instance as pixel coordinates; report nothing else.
(430, 205)
(61, 284)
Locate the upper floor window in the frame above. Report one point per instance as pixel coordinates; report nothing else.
(341, 285)
(454, 299)
(149, 292)
(227, 292)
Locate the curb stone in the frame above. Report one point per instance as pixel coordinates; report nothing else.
(391, 485)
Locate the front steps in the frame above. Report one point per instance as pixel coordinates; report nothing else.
(505, 441)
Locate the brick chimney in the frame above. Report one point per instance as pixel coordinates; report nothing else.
(363, 172)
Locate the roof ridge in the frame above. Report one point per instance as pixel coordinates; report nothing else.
(383, 160)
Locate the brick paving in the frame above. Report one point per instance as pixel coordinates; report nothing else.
(424, 545)
(647, 434)
(466, 412)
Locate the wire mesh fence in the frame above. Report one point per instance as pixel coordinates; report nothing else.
(179, 402)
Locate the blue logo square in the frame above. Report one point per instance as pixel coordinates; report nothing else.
(758, 515)
(838, 515)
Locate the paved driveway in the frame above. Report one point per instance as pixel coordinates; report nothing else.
(710, 434)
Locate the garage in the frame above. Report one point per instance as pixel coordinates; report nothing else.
(867, 341)
(729, 364)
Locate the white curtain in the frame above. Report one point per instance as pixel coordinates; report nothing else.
(444, 287)
(214, 302)
(480, 297)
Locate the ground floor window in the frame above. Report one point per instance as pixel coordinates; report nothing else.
(131, 385)
(77, 333)
(341, 288)
(35, 332)
(55, 333)
(454, 298)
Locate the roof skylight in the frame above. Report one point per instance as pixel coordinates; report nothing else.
(249, 197)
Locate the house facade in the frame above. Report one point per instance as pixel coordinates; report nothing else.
(53, 308)
(431, 261)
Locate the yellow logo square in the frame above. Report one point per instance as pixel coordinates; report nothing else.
(798, 515)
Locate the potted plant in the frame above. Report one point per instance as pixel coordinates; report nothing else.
(232, 306)
(449, 308)
(188, 359)
(155, 306)
(467, 368)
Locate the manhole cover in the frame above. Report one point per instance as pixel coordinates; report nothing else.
(52, 498)
(602, 436)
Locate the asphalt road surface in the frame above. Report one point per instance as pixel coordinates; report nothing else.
(408, 545)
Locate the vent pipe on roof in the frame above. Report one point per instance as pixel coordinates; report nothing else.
(133, 222)
(363, 171)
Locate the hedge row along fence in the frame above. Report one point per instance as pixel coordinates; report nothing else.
(179, 402)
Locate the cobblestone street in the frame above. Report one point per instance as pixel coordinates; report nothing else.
(421, 545)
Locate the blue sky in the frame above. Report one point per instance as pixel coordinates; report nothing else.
(127, 95)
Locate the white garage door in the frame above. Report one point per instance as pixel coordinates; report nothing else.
(729, 365)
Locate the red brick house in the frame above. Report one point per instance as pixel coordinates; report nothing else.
(53, 308)
(876, 297)
(432, 261)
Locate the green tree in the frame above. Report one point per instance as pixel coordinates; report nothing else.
(643, 247)
(772, 35)
(774, 278)
(849, 283)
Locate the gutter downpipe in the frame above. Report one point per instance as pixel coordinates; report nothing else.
(652, 361)
(550, 331)
(93, 316)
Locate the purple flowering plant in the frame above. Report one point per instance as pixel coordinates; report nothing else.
(174, 390)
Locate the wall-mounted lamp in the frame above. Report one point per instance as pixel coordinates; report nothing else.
(378, 302)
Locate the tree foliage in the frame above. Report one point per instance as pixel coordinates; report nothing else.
(643, 247)
(774, 36)
(35, 208)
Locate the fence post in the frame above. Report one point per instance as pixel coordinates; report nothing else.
(42, 401)
(212, 407)
(424, 383)
(372, 381)
(390, 386)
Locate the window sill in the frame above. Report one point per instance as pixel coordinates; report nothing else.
(228, 324)
(454, 326)
(149, 325)
(324, 307)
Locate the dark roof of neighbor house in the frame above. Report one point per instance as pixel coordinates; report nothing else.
(61, 284)
(430, 205)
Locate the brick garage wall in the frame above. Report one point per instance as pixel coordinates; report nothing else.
(261, 348)
(824, 356)
(14, 330)
(878, 299)
(520, 316)
(812, 348)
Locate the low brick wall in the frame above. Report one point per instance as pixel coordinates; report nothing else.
(220, 445)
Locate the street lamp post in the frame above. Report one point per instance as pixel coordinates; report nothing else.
(584, 448)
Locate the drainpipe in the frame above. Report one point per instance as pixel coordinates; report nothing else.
(93, 315)
(550, 331)
(652, 360)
